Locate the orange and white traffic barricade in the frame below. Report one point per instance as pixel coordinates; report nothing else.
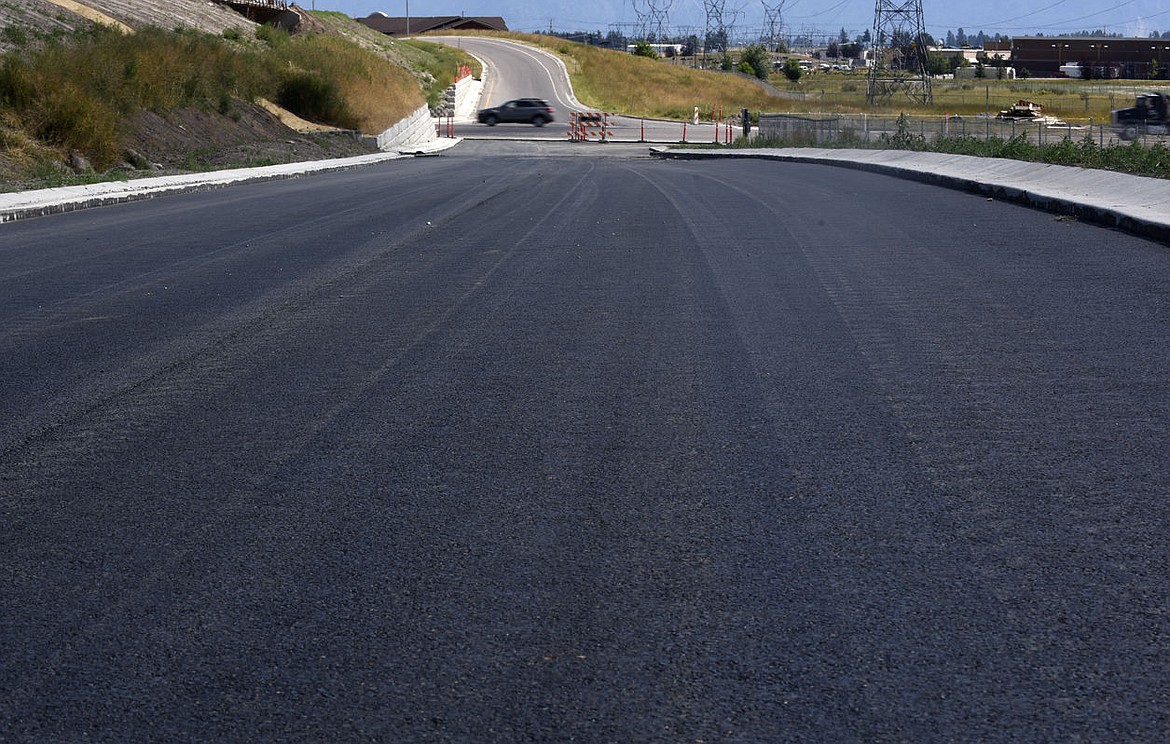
(589, 126)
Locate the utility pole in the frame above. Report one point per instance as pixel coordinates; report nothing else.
(899, 52)
(408, 17)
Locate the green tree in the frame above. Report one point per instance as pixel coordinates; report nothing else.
(938, 64)
(643, 49)
(755, 57)
(792, 70)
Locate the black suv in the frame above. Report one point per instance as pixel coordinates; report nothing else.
(523, 110)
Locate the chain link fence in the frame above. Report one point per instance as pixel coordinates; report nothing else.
(876, 129)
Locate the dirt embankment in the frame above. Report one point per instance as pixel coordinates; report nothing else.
(248, 134)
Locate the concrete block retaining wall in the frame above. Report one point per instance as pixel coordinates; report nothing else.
(464, 88)
(416, 129)
(455, 97)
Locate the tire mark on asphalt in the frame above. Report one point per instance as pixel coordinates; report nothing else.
(441, 321)
(915, 529)
(67, 310)
(135, 412)
(196, 362)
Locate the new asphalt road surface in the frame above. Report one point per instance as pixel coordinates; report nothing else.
(512, 70)
(544, 443)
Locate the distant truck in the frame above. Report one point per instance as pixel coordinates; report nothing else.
(1150, 114)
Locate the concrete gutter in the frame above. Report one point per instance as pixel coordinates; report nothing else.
(40, 202)
(1135, 204)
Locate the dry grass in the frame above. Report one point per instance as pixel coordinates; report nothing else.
(78, 92)
(622, 83)
(433, 66)
(615, 81)
(376, 92)
(1073, 100)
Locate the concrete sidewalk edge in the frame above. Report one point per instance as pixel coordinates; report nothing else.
(1081, 208)
(26, 204)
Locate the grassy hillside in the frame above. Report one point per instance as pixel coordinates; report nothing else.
(433, 65)
(83, 92)
(622, 83)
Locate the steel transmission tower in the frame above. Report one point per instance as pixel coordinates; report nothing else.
(899, 52)
(641, 23)
(652, 22)
(715, 33)
(773, 25)
(658, 19)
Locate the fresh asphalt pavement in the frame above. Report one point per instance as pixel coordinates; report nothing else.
(1136, 204)
(543, 443)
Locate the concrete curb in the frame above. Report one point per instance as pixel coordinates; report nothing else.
(41, 202)
(1078, 192)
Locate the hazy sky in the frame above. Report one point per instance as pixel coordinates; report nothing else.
(1050, 17)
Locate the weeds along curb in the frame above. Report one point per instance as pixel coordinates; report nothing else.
(1080, 209)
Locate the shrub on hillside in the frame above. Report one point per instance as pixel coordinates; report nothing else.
(59, 110)
(643, 49)
(76, 120)
(376, 93)
(315, 98)
(792, 69)
(757, 60)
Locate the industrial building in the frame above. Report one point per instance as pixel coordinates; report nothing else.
(1097, 57)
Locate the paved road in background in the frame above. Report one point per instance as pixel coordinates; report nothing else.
(535, 442)
(513, 70)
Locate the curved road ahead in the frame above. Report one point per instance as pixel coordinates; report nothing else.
(541, 442)
(513, 70)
